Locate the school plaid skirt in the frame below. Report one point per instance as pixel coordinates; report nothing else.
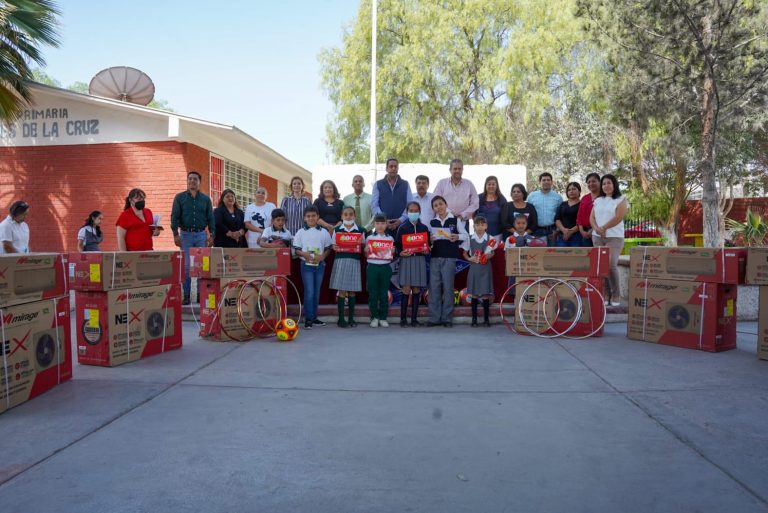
(346, 275)
(413, 271)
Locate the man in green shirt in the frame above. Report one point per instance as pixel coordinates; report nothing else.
(361, 202)
(191, 214)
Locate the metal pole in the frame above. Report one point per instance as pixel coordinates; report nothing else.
(373, 90)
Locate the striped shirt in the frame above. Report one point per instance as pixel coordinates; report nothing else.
(294, 212)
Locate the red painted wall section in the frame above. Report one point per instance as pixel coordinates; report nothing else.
(271, 186)
(691, 220)
(64, 184)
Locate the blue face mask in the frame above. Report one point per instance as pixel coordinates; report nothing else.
(413, 216)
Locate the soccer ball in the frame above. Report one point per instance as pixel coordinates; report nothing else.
(286, 330)
(537, 243)
(464, 297)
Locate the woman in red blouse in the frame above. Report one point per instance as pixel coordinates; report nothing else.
(135, 226)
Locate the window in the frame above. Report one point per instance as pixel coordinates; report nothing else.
(242, 180)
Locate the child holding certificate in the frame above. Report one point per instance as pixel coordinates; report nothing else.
(312, 244)
(348, 240)
(412, 243)
(478, 250)
(446, 233)
(379, 249)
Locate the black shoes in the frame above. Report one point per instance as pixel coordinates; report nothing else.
(318, 322)
(185, 301)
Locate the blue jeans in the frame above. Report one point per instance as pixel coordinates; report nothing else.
(574, 241)
(545, 232)
(312, 278)
(191, 240)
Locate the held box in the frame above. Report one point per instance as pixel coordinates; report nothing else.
(762, 324)
(101, 271)
(37, 349)
(121, 326)
(711, 265)
(236, 262)
(29, 277)
(757, 266)
(550, 313)
(558, 262)
(234, 309)
(692, 315)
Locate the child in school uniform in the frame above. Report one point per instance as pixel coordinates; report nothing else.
(276, 235)
(312, 244)
(345, 276)
(446, 233)
(413, 266)
(520, 237)
(378, 273)
(477, 251)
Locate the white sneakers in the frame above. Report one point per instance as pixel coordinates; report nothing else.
(374, 323)
(383, 324)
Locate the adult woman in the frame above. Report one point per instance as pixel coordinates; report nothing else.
(295, 205)
(607, 221)
(90, 236)
(585, 208)
(135, 226)
(565, 219)
(491, 204)
(329, 206)
(518, 206)
(230, 222)
(258, 217)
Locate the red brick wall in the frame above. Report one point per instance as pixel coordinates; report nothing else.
(65, 183)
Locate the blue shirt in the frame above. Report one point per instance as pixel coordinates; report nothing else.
(546, 206)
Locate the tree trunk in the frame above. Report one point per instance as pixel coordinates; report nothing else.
(710, 199)
(679, 196)
(636, 155)
(669, 233)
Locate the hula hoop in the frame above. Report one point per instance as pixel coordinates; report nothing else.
(579, 308)
(224, 291)
(259, 298)
(591, 288)
(510, 326)
(537, 282)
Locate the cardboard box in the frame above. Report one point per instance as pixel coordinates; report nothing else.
(560, 308)
(762, 324)
(121, 326)
(223, 317)
(757, 266)
(689, 314)
(101, 271)
(29, 277)
(237, 262)
(36, 349)
(558, 262)
(711, 265)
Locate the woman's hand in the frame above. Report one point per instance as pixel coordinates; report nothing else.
(406, 253)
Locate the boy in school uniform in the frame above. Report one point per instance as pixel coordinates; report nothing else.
(312, 244)
(379, 273)
(276, 235)
(446, 234)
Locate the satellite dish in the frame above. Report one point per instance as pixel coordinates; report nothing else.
(123, 83)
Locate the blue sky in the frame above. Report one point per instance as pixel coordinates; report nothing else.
(248, 63)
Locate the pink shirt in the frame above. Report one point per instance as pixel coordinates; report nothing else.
(462, 199)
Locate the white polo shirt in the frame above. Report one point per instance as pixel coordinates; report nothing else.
(16, 233)
(312, 240)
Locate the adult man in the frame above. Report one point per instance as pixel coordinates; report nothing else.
(258, 217)
(14, 231)
(361, 202)
(460, 195)
(191, 214)
(424, 198)
(390, 196)
(545, 201)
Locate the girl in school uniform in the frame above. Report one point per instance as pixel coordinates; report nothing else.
(446, 233)
(413, 266)
(477, 251)
(346, 275)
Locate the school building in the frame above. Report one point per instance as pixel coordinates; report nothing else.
(73, 153)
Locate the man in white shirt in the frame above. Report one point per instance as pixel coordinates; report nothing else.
(424, 199)
(258, 216)
(14, 231)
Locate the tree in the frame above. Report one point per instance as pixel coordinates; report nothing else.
(472, 79)
(25, 26)
(698, 65)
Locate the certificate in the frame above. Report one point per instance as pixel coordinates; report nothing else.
(347, 242)
(415, 242)
(440, 233)
(381, 249)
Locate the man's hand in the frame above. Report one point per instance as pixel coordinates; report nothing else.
(209, 241)
(177, 240)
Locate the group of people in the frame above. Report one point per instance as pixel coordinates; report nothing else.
(426, 232)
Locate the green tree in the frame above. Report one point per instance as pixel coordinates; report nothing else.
(699, 67)
(472, 79)
(25, 26)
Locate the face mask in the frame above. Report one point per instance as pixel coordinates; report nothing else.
(413, 216)
(139, 205)
(348, 222)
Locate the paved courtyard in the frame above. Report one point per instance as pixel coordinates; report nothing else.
(386, 420)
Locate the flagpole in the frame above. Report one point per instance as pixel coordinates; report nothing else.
(373, 90)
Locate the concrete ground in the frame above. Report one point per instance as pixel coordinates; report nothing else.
(386, 420)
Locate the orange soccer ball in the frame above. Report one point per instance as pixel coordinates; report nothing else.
(286, 330)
